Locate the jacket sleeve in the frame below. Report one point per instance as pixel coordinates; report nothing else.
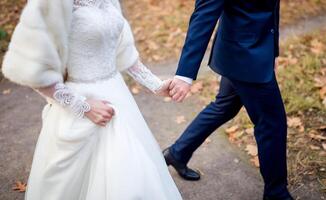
(32, 58)
(201, 26)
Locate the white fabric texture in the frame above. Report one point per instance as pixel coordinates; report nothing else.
(77, 160)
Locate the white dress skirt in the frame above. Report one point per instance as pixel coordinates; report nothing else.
(78, 160)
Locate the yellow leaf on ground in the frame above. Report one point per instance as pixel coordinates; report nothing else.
(324, 146)
(250, 131)
(232, 129)
(294, 122)
(180, 119)
(255, 161)
(196, 87)
(315, 135)
(19, 186)
(167, 99)
(314, 147)
(252, 150)
(135, 90)
(322, 92)
(5, 92)
(207, 141)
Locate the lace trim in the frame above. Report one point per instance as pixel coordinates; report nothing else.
(67, 98)
(144, 76)
(81, 3)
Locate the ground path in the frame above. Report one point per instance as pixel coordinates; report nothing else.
(227, 175)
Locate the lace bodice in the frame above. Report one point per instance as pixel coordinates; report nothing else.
(94, 37)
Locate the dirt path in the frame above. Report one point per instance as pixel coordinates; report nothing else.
(227, 175)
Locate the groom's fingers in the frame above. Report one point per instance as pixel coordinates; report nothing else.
(173, 91)
(172, 85)
(181, 98)
(177, 96)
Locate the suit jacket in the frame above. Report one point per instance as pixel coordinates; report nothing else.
(245, 44)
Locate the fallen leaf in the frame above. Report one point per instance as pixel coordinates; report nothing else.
(255, 161)
(314, 147)
(314, 135)
(320, 81)
(316, 46)
(322, 128)
(207, 141)
(196, 87)
(135, 90)
(5, 92)
(324, 146)
(19, 186)
(252, 150)
(250, 131)
(322, 92)
(232, 129)
(167, 99)
(294, 122)
(180, 119)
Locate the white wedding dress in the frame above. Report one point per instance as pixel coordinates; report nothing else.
(78, 160)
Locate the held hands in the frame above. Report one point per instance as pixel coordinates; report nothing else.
(179, 89)
(164, 90)
(175, 88)
(101, 112)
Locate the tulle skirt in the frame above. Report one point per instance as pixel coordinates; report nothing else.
(78, 160)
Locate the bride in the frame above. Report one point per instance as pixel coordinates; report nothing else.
(94, 143)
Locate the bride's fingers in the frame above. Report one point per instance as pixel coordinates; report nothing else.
(109, 110)
(107, 117)
(102, 123)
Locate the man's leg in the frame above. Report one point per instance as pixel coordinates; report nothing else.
(264, 105)
(224, 108)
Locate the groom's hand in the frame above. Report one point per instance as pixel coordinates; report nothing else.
(179, 89)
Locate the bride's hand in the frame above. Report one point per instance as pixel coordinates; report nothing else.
(164, 90)
(101, 113)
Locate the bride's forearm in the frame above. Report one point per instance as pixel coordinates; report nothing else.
(144, 76)
(64, 96)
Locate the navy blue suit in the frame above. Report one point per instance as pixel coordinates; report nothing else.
(244, 51)
(246, 42)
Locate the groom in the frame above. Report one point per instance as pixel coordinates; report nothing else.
(244, 52)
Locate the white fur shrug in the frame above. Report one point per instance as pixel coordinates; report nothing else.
(38, 51)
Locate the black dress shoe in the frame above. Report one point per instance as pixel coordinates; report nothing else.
(182, 169)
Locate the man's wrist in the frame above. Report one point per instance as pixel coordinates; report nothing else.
(185, 79)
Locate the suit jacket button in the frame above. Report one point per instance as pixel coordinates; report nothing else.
(272, 31)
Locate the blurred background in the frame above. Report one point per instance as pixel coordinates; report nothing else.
(160, 28)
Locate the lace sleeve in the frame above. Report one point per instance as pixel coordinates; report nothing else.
(63, 95)
(144, 76)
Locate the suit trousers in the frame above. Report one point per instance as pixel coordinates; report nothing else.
(265, 108)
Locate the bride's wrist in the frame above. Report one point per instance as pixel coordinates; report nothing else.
(67, 98)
